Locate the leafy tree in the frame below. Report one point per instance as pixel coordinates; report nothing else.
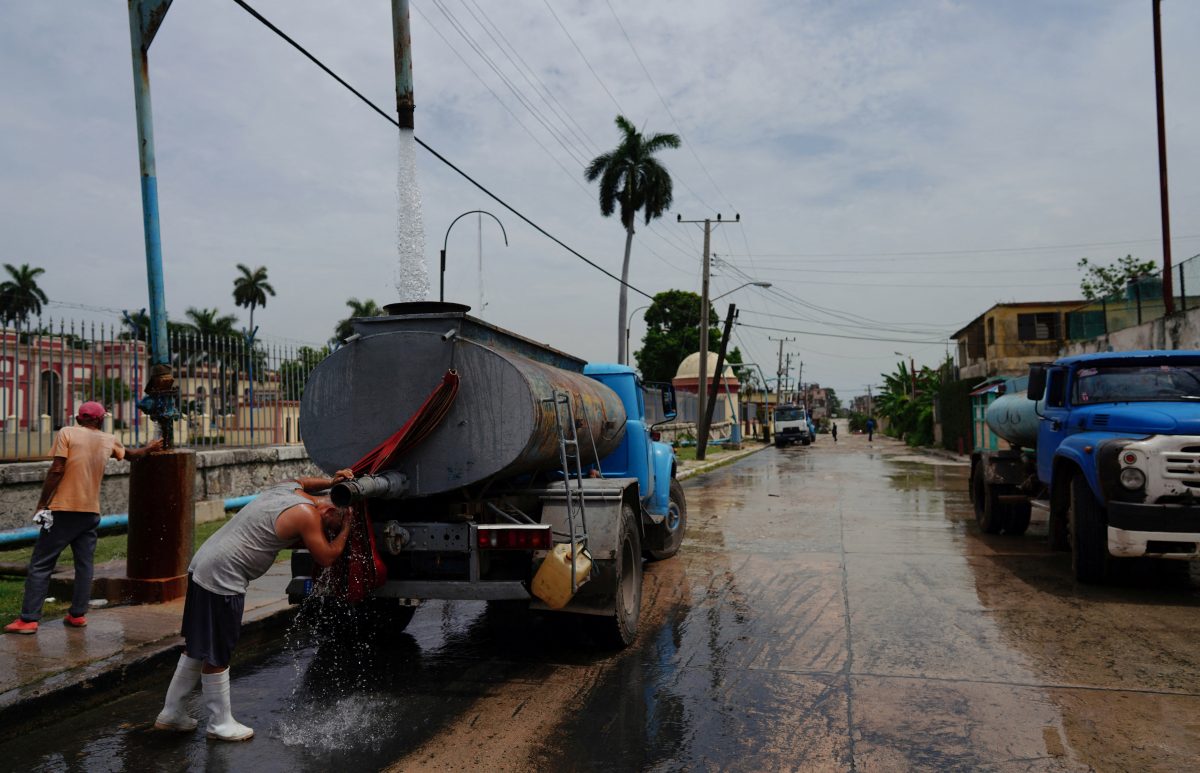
(672, 333)
(910, 416)
(109, 391)
(367, 308)
(251, 289)
(832, 401)
(20, 296)
(293, 373)
(632, 180)
(141, 321)
(1101, 281)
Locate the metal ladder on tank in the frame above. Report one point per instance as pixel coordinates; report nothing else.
(568, 454)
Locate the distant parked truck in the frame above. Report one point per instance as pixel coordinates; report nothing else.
(792, 426)
(1106, 445)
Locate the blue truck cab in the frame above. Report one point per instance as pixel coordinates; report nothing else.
(641, 456)
(1118, 452)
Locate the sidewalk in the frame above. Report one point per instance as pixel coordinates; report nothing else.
(119, 643)
(689, 468)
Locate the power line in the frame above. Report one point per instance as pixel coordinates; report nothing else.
(838, 335)
(436, 155)
(955, 253)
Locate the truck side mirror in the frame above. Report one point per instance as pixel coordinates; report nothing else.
(1037, 382)
(668, 402)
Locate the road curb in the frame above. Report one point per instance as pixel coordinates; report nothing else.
(23, 708)
(692, 472)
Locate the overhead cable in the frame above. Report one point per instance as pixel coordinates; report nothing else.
(267, 23)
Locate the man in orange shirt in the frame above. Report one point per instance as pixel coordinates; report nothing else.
(71, 495)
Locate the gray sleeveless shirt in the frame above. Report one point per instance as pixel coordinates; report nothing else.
(244, 549)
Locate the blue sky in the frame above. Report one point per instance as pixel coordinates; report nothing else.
(848, 135)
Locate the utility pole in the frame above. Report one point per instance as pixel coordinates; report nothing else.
(1168, 285)
(702, 385)
(870, 403)
(706, 419)
(779, 371)
(800, 384)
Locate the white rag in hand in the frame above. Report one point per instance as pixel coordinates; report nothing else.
(44, 518)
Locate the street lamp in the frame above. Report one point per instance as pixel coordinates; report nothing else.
(442, 279)
(764, 285)
(627, 324)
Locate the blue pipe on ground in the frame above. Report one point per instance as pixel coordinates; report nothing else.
(119, 521)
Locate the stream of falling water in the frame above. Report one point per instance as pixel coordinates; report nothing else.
(412, 273)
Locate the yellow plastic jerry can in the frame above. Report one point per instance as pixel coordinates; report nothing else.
(552, 583)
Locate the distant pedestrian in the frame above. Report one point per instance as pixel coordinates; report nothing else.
(69, 512)
(833, 430)
(288, 514)
(870, 430)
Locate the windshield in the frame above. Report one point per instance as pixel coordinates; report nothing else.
(1117, 384)
(789, 414)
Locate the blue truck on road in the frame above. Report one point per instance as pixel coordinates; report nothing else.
(1107, 446)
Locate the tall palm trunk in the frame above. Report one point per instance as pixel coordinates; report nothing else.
(622, 320)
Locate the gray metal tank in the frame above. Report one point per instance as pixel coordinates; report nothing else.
(1013, 417)
(500, 424)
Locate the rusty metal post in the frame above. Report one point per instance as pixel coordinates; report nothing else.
(1168, 292)
(402, 44)
(161, 525)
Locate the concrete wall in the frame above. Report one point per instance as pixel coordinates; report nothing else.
(220, 474)
(1180, 331)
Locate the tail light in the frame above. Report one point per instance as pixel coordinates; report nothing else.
(522, 537)
(655, 435)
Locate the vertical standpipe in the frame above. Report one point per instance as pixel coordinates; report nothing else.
(402, 42)
(145, 17)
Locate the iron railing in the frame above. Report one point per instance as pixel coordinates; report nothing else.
(230, 393)
(1140, 301)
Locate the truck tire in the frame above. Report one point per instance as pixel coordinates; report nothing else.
(619, 631)
(778, 442)
(1088, 533)
(989, 513)
(1017, 522)
(670, 533)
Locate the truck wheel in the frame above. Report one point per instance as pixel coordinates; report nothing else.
(1088, 534)
(1018, 519)
(620, 630)
(988, 512)
(778, 442)
(670, 533)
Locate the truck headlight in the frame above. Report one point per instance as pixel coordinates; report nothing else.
(1132, 478)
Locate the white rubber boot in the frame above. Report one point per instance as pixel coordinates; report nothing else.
(221, 724)
(174, 716)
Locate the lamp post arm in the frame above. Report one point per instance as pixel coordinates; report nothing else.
(446, 240)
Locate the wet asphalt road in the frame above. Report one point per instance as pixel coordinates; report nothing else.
(834, 608)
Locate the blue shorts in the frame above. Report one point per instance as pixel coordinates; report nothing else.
(212, 624)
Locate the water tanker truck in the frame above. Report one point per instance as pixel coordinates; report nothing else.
(1107, 447)
(539, 451)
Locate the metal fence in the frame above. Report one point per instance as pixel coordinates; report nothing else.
(230, 394)
(1140, 301)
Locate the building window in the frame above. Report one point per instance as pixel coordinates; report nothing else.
(1038, 327)
(991, 327)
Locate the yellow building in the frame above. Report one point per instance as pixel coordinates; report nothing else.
(1006, 338)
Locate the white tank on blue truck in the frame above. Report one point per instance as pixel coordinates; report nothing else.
(1107, 446)
(538, 449)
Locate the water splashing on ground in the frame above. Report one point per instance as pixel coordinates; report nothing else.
(412, 273)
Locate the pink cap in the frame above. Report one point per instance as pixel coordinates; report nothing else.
(91, 410)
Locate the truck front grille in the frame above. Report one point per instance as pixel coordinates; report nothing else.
(1183, 466)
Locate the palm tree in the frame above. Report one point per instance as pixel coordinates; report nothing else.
(367, 308)
(631, 177)
(251, 290)
(209, 323)
(20, 296)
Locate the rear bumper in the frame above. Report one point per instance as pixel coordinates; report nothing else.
(1168, 531)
